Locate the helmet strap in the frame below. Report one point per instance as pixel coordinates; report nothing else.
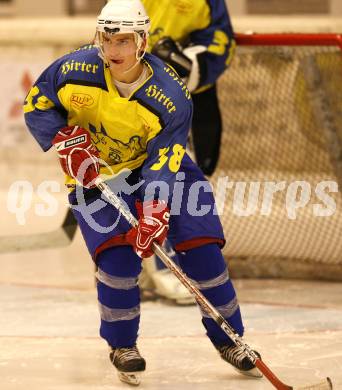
(139, 54)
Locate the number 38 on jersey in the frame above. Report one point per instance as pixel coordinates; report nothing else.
(173, 159)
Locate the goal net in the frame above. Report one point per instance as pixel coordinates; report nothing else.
(277, 183)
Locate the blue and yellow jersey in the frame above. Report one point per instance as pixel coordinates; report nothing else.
(148, 130)
(195, 22)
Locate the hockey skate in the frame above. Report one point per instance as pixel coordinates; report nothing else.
(164, 283)
(234, 356)
(129, 364)
(168, 286)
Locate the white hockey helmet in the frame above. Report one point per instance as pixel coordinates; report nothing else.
(123, 16)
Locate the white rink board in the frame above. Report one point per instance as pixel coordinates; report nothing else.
(21, 157)
(68, 31)
(19, 68)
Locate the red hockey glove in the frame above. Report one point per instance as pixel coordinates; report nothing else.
(153, 227)
(77, 155)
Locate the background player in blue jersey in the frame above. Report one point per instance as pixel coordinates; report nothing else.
(196, 38)
(109, 109)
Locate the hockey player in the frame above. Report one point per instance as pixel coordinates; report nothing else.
(115, 105)
(196, 38)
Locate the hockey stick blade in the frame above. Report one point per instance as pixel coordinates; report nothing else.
(324, 385)
(203, 302)
(58, 238)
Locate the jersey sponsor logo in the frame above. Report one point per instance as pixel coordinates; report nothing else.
(81, 100)
(184, 6)
(157, 94)
(176, 78)
(73, 65)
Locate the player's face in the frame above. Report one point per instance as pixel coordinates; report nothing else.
(120, 51)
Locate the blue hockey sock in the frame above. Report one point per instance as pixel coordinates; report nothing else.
(205, 265)
(118, 295)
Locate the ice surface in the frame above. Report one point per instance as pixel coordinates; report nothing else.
(49, 331)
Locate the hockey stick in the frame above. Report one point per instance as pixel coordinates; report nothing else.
(58, 238)
(205, 304)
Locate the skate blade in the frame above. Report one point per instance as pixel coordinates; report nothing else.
(131, 378)
(186, 301)
(253, 373)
